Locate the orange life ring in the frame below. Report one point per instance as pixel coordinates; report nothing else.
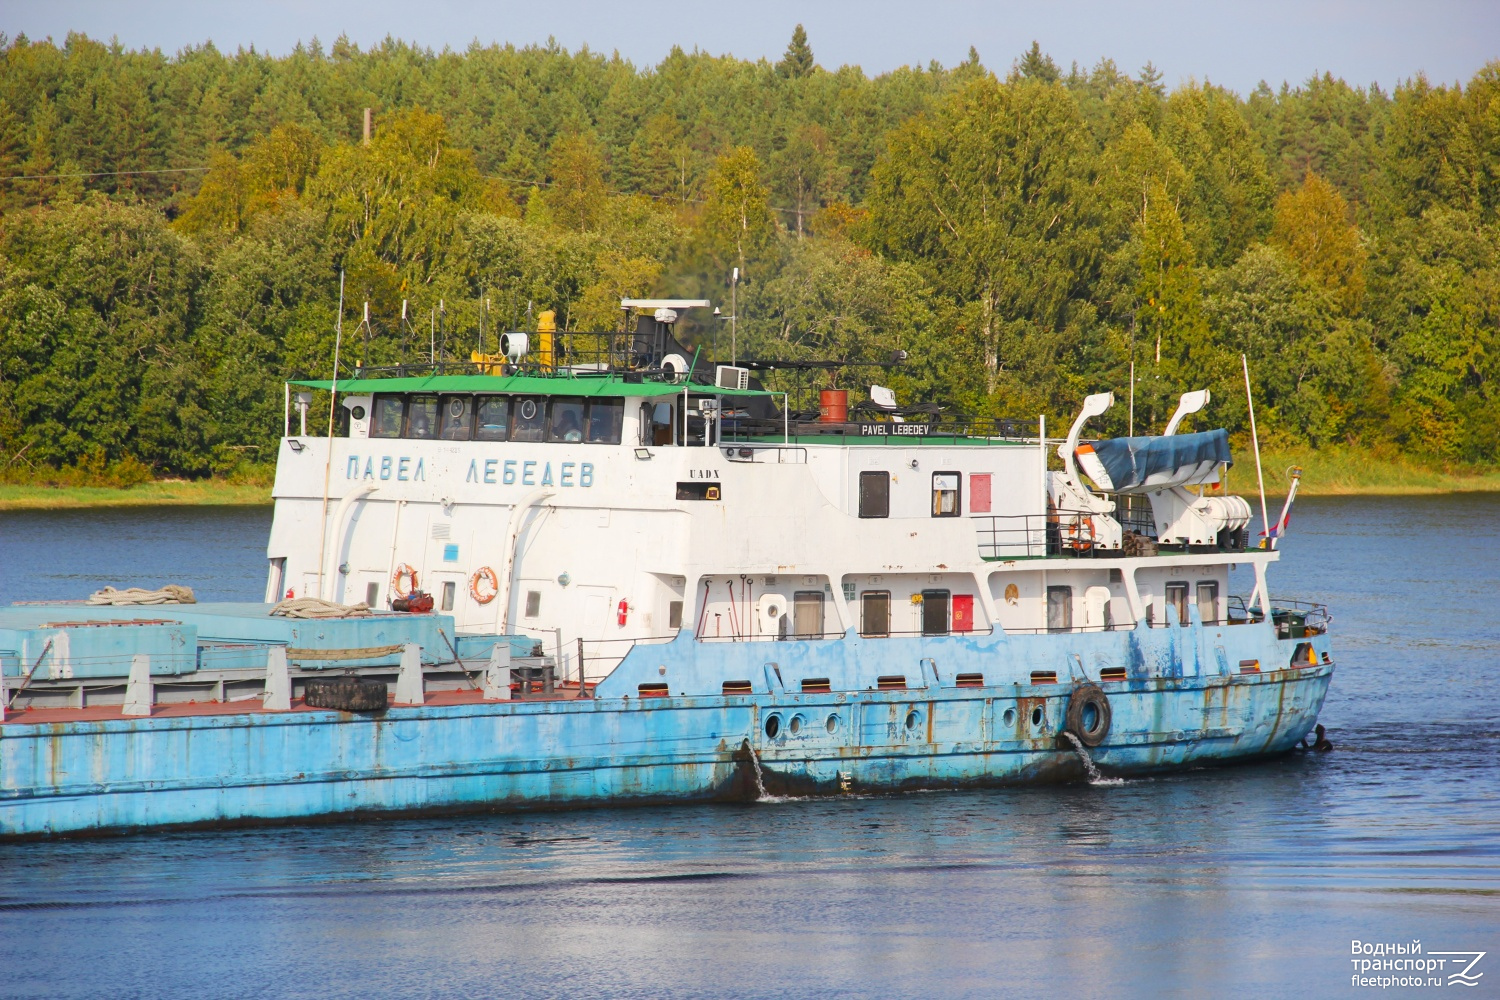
(1079, 539)
(484, 573)
(402, 572)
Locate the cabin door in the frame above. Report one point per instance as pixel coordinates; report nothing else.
(963, 612)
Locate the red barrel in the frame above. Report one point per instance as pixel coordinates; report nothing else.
(833, 405)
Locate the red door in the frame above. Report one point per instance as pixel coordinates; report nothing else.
(963, 612)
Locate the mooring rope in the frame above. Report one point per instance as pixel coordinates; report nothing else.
(172, 593)
(313, 607)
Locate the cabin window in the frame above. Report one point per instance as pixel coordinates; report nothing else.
(372, 593)
(935, 612)
(458, 418)
(875, 612)
(528, 419)
(656, 424)
(979, 493)
(390, 416)
(1059, 609)
(533, 603)
(1177, 599)
(1208, 601)
(606, 418)
(674, 614)
(450, 590)
(945, 502)
(874, 494)
(492, 418)
(567, 421)
(422, 417)
(807, 614)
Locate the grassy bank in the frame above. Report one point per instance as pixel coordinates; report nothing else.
(207, 492)
(1350, 471)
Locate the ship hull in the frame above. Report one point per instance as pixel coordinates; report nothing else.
(120, 775)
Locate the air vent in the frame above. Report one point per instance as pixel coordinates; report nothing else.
(737, 687)
(1044, 677)
(816, 684)
(891, 682)
(1112, 674)
(730, 377)
(441, 530)
(652, 690)
(969, 680)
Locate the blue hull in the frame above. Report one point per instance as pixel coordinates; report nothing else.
(120, 775)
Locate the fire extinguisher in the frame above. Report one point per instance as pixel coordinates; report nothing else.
(622, 612)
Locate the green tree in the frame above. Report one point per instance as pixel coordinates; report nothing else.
(1312, 226)
(798, 60)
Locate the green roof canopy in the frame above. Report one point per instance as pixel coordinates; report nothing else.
(535, 385)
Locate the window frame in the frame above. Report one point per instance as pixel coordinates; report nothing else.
(1183, 588)
(1208, 619)
(957, 491)
(616, 429)
(444, 416)
(517, 404)
(865, 598)
(1065, 591)
(434, 422)
(935, 594)
(377, 411)
(797, 604)
(484, 402)
(884, 478)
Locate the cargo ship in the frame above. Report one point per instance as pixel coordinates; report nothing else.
(596, 570)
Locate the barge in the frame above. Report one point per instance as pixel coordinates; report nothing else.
(634, 581)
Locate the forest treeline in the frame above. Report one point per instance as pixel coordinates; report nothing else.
(173, 228)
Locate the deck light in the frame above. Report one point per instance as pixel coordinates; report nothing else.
(295, 445)
(644, 454)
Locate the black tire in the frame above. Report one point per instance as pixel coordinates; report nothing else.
(346, 694)
(1085, 697)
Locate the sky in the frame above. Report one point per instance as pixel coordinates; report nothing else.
(1236, 45)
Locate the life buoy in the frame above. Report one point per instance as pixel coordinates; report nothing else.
(486, 595)
(1080, 534)
(402, 572)
(1088, 714)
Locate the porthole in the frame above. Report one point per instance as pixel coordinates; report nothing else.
(795, 727)
(357, 412)
(1036, 716)
(833, 724)
(913, 719)
(1009, 718)
(773, 726)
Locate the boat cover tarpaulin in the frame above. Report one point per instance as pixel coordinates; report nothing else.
(1136, 463)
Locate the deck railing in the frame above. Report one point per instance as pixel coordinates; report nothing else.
(1032, 536)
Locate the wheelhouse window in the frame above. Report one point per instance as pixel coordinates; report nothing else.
(422, 417)
(1208, 601)
(874, 494)
(390, 417)
(1177, 599)
(807, 614)
(566, 424)
(875, 613)
(528, 419)
(458, 418)
(1059, 609)
(656, 424)
(945, 500)
(935, 612)
(606, 418)
(492, 418)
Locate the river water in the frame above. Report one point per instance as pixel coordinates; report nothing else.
(1246, 881)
